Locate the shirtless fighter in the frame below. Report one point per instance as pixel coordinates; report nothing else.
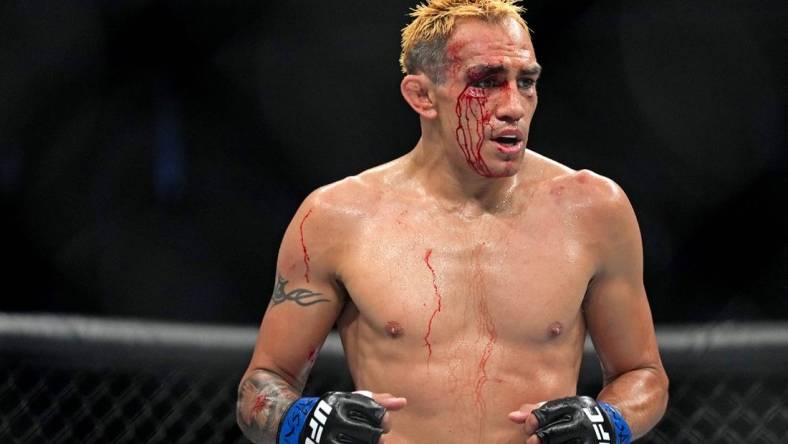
(463, 276)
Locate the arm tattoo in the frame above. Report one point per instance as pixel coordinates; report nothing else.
(300, 296)
(263, 398)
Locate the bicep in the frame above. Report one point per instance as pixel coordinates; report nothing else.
(617, 311)
(619, 322)
(305, 302)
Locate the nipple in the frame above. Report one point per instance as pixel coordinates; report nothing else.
(555, 328)
(394, 329)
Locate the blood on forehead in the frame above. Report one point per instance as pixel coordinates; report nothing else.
(453, 49)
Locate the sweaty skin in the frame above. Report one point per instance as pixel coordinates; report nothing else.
(463, 276)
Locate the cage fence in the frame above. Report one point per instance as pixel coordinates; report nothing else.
(67, 379)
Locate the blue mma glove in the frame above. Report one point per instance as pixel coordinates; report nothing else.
(581, 420)
(334, 418)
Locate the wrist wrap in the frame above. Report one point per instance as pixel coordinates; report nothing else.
(581, 420)
(623, 433)
(336, 417)
(294, 420)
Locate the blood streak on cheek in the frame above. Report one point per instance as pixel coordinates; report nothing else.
(303, 245)
(471, 124)
(438, 303)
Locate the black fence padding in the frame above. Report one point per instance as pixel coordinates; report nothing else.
(66, 379)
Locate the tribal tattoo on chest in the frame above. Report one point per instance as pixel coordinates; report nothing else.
(300, 296)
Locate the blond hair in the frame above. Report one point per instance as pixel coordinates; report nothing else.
(424, 39)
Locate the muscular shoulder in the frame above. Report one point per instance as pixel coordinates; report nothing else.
(596, 200)
(583, 188)
(589, 190)
(359, 195)
(590, 198)
(604, 216)
(324, 227)
(343, 205)
(352, 196)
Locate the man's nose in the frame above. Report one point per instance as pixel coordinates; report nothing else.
(510, 107)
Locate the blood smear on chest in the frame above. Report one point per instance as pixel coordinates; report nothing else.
(438, 303)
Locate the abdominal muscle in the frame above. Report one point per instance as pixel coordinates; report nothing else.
(455, 395)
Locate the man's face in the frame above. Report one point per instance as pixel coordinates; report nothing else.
(486, 104)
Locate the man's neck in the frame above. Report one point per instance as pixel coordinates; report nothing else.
(458, 186)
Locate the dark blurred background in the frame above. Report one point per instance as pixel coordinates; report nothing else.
(153, 152)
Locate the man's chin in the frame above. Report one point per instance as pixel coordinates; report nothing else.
(509, 172)
(498, 166)
(506, 166)
(502, 170)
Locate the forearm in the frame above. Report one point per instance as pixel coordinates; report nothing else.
(263, 398)
(640, 395)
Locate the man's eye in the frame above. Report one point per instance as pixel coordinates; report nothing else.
(526, 83)
(485, 83)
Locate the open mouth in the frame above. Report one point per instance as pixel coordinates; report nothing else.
(509, 141)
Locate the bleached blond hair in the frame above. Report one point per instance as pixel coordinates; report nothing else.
(424, 39)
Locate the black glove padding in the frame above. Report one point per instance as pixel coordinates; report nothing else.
(575, 420)
(334, 418)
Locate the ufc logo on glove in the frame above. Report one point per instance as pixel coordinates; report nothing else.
(598, 421)
(318, 421)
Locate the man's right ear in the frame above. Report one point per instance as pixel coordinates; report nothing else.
(418, 91)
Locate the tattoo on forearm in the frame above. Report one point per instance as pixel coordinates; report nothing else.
(300, 296)
(263, 398)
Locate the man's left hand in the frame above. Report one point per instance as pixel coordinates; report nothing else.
(576, 419)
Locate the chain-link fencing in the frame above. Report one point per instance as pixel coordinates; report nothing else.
(78, 380)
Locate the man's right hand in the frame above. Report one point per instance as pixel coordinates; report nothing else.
(361, 417)
(391, 403)
(523, 416)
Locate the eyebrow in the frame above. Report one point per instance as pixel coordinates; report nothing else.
(478, 72)
(533, 70)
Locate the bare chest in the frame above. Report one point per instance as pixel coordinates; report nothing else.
(430, 281)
